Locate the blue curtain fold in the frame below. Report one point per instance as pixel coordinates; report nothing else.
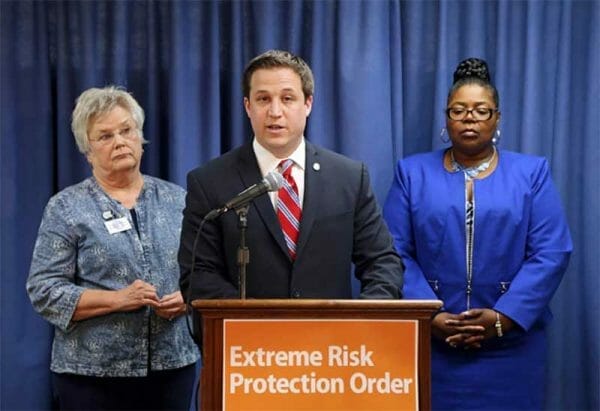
(382, 71)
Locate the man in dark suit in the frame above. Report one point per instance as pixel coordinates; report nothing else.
(302, 241)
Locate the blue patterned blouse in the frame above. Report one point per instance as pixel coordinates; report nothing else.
(74, 251)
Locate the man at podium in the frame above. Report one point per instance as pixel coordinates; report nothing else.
(319, 217)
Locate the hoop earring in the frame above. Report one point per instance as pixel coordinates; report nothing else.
(496, 138)
(444, 131)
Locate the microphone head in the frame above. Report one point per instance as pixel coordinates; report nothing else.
(273, 181)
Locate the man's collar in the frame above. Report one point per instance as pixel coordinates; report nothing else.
(268, 162)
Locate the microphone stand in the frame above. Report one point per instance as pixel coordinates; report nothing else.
(243, 254)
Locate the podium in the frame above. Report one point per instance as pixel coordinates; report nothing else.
(272, 354)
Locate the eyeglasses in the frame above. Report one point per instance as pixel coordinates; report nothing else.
(128, 133)
(478, 113)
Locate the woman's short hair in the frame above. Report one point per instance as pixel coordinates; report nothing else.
(473, 71)
(97, 101)
(276, 59)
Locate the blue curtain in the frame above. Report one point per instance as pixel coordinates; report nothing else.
(382, 72)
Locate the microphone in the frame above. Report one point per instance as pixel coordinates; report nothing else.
(273, 181)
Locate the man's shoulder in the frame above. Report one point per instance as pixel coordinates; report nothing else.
(224, 162)
(320, 153)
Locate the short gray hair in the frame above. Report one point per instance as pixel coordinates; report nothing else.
(96, 101)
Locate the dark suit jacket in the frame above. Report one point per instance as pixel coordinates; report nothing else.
(341, 223)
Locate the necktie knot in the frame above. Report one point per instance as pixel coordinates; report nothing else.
(286, 168)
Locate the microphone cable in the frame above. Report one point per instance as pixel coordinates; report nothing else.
(190, 310)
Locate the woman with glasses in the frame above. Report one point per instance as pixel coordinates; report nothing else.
(104, 272)
(481, 229)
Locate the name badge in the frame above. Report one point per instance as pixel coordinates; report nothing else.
(117, 225)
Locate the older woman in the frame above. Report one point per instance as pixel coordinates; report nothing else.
(482, 230)
(104, 271)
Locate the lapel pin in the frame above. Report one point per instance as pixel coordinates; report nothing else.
(316, 166)
(107, 215)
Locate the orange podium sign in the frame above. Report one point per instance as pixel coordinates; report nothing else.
(327, 364)
(304, 354)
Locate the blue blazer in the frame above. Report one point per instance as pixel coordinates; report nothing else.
(521, 250)
(341, 224)
(521, 240)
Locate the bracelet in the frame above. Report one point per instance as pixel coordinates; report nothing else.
(498, 325)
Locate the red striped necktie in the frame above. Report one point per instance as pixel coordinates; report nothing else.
(288, 207)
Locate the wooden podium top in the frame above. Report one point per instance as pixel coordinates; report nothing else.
(318, 303)
(319, 307)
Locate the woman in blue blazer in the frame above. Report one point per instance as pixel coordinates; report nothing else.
(482, 230)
